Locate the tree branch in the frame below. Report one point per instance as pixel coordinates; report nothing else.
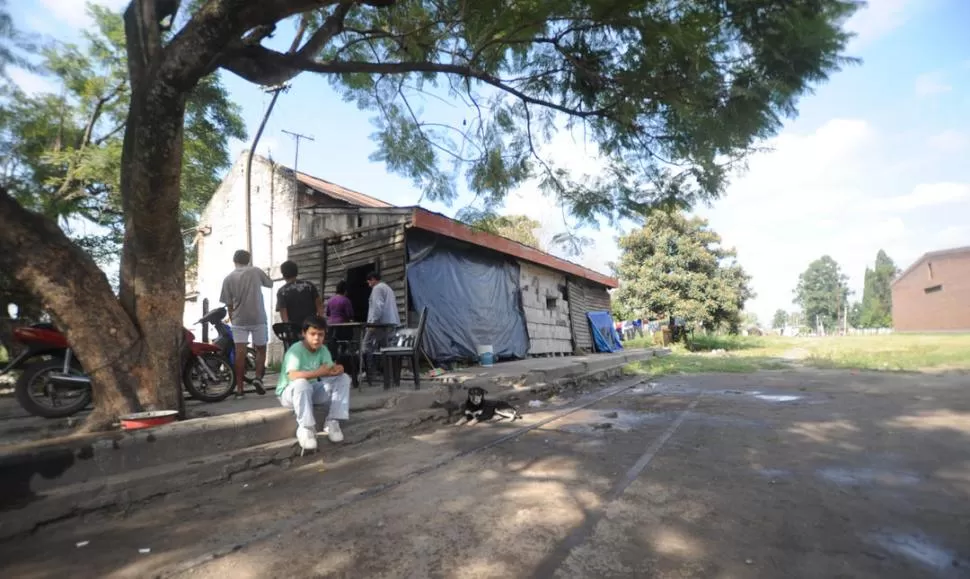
(269, 67)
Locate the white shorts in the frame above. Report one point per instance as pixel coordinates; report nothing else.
(259, 334)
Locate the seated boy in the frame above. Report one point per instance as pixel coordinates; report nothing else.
(309, 376)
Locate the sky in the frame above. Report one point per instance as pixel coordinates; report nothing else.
(876, 158)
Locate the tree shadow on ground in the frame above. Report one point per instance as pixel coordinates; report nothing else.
(795, 474)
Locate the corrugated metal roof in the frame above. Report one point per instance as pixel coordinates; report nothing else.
(437, 223)
(931, 255)
(342, 193)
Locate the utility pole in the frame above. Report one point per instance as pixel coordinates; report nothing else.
(276, 90)
(297, 137)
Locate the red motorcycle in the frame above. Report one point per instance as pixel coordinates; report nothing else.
(53, 383)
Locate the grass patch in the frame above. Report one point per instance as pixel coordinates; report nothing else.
(893, 352)
(683, 362)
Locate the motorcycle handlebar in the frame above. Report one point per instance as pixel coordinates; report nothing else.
(213, 316)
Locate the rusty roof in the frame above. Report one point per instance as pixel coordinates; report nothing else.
(931, 255)
(438, 223)
(338, 192)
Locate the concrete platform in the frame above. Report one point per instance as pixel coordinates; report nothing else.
(42, 480)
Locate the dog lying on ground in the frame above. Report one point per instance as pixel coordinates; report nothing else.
(477, 409)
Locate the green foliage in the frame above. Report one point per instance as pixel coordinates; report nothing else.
(64, 150)
(750, 319)
(675, 266)
(876, 307)
(515, 227)
(672, 93)
(13, 44)
(822, 292)
(780, 319)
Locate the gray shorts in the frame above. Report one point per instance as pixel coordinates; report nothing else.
(242, 334)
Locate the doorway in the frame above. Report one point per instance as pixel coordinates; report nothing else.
(358, 292)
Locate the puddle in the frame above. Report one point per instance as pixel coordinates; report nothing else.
(777, 397)
(919, 549)
(773, 472)
(609, 419)
(867, 476)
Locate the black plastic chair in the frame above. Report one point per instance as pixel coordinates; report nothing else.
(404, 344)
(289, 333)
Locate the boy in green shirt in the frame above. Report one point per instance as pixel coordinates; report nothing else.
(309, 376)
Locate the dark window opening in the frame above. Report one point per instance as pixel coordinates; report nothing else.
(358, 292)
(360, 221)
(933, 289)
(552, 303)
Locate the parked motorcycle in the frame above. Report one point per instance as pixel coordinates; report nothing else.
(49, 371)
(224, 340)
(53, 383)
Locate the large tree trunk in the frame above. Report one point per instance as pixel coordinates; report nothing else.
(131, 344)
(78, 296)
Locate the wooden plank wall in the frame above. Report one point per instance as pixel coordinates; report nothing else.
(384, 245)
(328, 224)
(308, 256)
(579, 324)
(584, 297)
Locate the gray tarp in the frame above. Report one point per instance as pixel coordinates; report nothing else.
(472, 296)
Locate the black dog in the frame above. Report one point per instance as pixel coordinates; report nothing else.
(476, 408)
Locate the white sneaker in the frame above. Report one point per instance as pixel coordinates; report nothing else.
(307, 438)
(333, 431)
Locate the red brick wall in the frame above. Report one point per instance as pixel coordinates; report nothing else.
(915, 310)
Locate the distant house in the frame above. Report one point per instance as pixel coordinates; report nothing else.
(933, 294)
(481, 289)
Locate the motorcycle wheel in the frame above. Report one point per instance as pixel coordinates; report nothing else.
(38, 374)
(200, 386)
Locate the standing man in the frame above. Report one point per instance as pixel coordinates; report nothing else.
(298, 299)
(243, 295)
(381, 309)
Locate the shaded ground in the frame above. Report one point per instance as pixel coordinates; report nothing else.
(801, 473)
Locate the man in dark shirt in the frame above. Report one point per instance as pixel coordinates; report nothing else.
(298, 299)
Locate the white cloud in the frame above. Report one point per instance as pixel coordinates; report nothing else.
(931, 83)
(74, 12)
(31, 83)
(827, 192)
(878, 18)
(926, 195)
(949, 141)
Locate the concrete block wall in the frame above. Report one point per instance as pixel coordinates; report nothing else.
(546, 310)
(273, 196)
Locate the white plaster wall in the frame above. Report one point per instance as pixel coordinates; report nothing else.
(273, 196)
(548, 328)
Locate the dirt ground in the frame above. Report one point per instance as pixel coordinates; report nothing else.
(800, 473)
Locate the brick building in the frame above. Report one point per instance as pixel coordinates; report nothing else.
(933, 294)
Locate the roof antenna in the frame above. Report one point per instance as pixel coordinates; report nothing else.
(297, 137)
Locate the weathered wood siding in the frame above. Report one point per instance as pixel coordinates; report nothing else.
(325, 223)
(308, 256)
(383, 246)
(584, 297)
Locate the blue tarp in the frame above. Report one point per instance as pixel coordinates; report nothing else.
(472, 296)
(605, 336)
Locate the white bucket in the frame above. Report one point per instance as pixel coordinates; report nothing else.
(486, 356)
